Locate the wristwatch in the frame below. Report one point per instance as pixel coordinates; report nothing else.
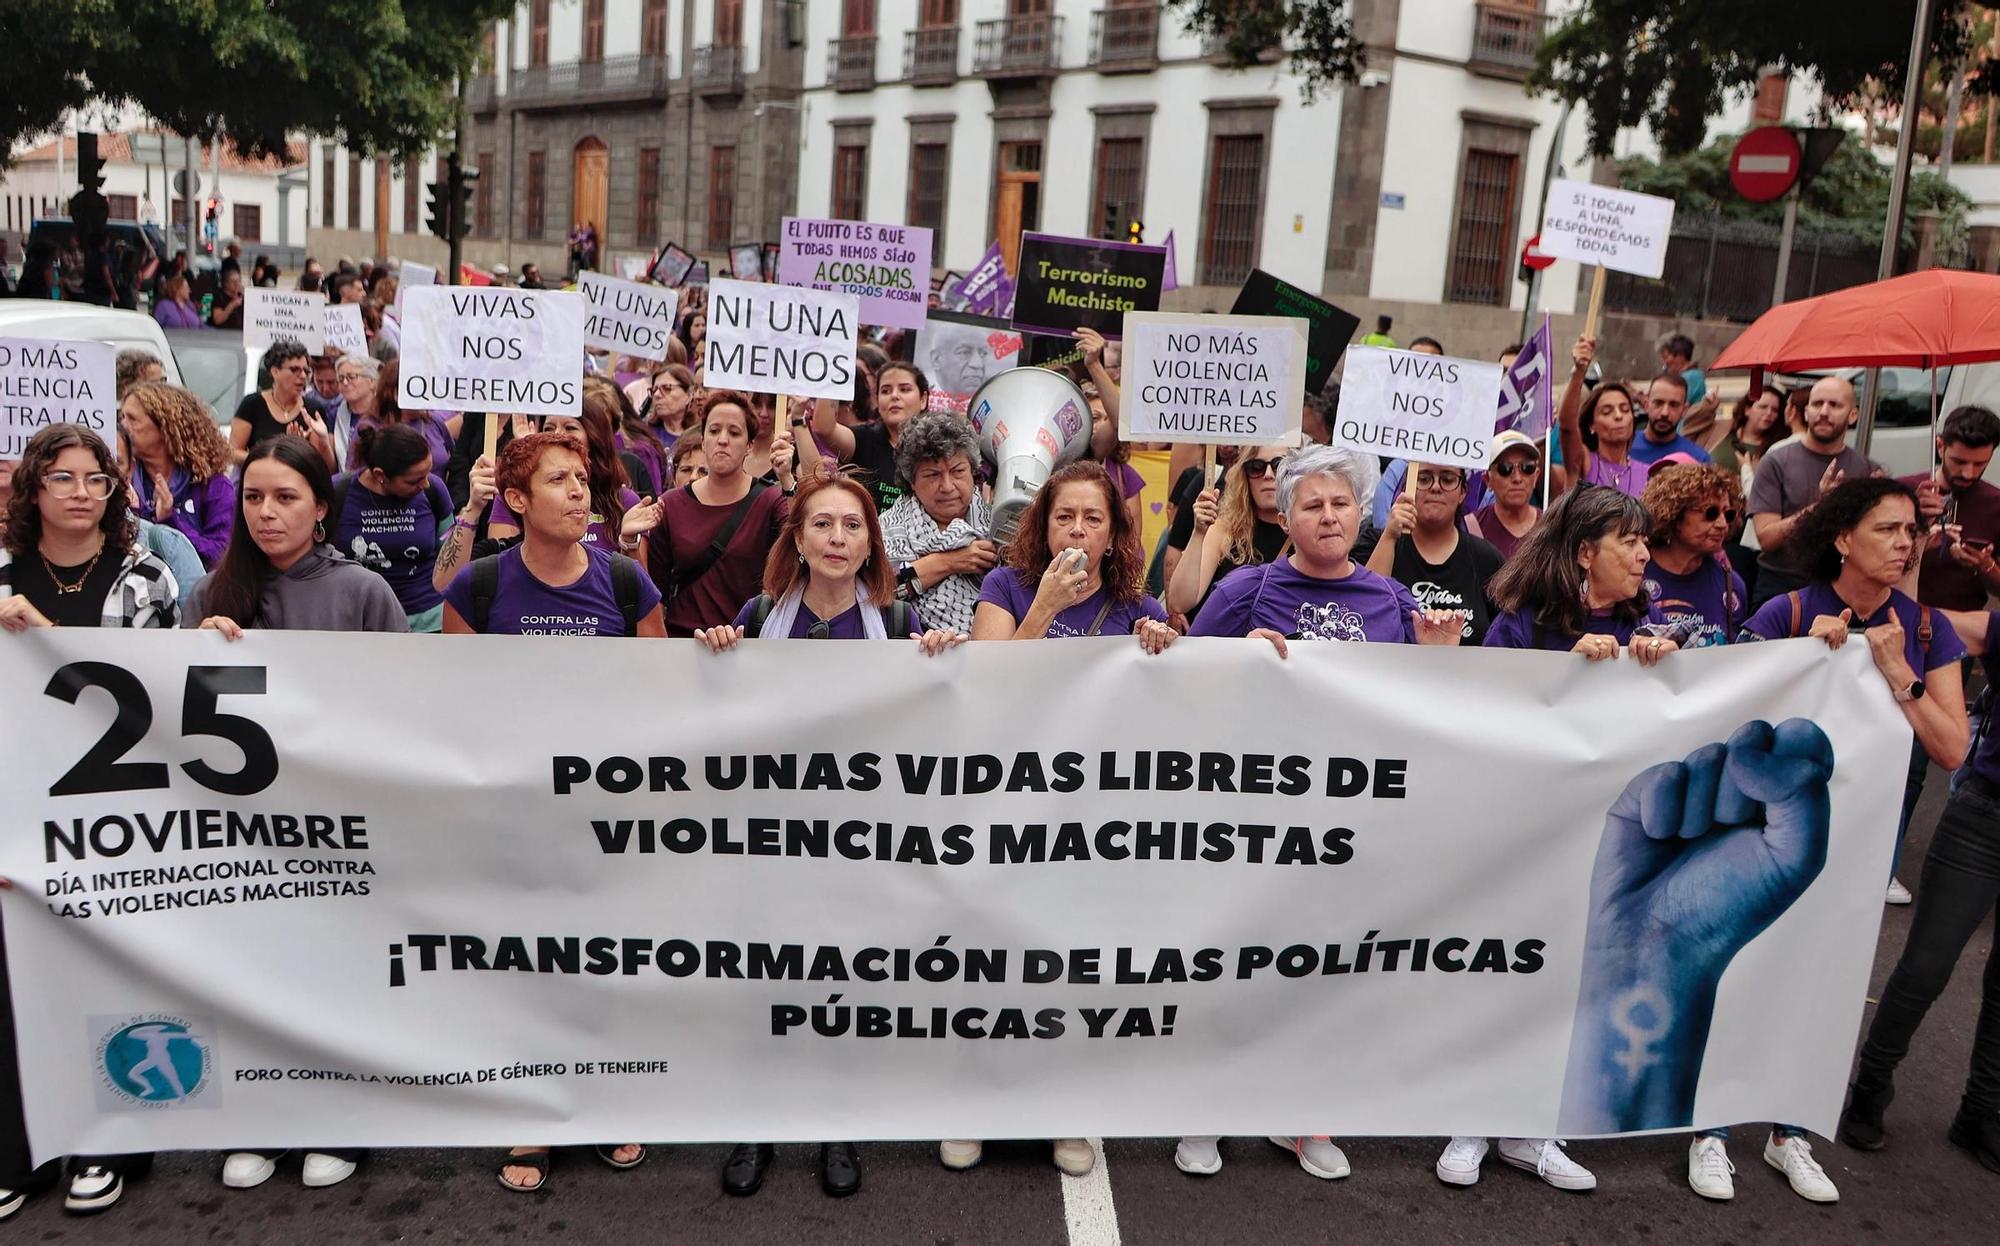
(1915, 692)
(906, 584)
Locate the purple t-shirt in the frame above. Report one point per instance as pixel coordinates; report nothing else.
(1278, 596)
(203, 511)
(1494, 532)
(1710, 599)
(397, 538)
(524, 606)
(1516, 629)
(1014, 593)
(1774, 622)
(1628, 478)
(1130, 483)
(599, 534)
(846, 625)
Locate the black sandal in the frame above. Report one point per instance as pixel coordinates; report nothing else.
(537, 1160)
(606, 1152)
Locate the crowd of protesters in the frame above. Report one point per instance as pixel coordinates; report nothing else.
(669, 509)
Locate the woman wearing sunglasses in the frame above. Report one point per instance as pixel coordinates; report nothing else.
(70, 557)
(1512, 480)
(1424, 550)
(1695, 507)
(828, 577)
(1234, 525)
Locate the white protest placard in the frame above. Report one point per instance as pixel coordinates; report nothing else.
(627, 316)
(1616, 229)
(297, 314)
(1228, 380)
(412, 274)
(780, 340)
(483, 348)
(343, 329)
(46, 381)
(1426, 408)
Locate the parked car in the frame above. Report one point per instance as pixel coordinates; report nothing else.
(87, 322)
(217, 367)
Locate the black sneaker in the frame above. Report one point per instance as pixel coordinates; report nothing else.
(839, 1169)
(1978, 1133)
(1861, 1124)
(92, 1189)
(743, 1172)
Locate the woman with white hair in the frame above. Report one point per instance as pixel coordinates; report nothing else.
(357, 376)
(1318, 591)
(938, 533)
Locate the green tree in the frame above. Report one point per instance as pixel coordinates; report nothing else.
(375, 75)
(1318, 34)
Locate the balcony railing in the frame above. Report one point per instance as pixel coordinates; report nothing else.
(1505, 40)
(1018, 47)
(636, 76)
(930, 56)
(718, 69)
(1125, 39)
(1215, 47)
(481, 95)
(850, 63)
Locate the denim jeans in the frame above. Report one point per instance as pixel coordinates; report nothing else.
(1961, 882)
(1913, 791)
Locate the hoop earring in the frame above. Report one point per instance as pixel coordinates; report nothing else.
(319, 533)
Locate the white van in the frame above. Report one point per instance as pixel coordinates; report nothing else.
(87, 322)
(1901, 441)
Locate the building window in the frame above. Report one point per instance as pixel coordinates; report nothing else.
(413, 186)
(1121, 165)
(123, 207)
(728, 23)
(653, 34)
(721, 195)
(1482, 249)
(857, 18)
(850, 182)
(326, 167)
(593, 30)
(930, 174)
(538, 32)
(353, 192)
(936, 14)
(1229, 221)
(247, 220)
(482, 195)
(647, 232)
(537, 194)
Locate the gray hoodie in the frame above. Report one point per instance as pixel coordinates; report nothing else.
(323, 592)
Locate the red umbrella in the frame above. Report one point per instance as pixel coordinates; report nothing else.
(1923, 320)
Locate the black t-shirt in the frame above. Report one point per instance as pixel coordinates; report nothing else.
(1459, 583)
(255, 412)
(874, 455)
(83, 607)
(1268, 539)
(1185, 491)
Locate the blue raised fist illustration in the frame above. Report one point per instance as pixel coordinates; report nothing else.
(1698, 858)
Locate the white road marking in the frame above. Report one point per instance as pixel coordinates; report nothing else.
(1765, 164)
(1087, 1205)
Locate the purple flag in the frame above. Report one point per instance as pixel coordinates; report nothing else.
(1172, 280)
(987, 289)
(1527, 390)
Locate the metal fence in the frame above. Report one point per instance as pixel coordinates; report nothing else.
(1724, 269)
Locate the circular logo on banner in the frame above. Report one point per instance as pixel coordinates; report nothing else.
(154, 1061)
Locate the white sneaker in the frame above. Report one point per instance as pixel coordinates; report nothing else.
(1546, 1158)
(323, 1170)
(1793, 1157)
(959, 1154)
(1075, 1156)
(1459, 1165)
(12, 1201)
(1710, 1174)
(94, 1189)
(246, 1170)
(1317, 1155)
(1898, 893)
(1198, 1157)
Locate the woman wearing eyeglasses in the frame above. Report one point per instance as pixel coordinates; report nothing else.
(1233, 525)
(1424, 550)
(69, 557)
(1695, 507)
(1512, 480)
(828, 577)
(669, 401)
(280, 410)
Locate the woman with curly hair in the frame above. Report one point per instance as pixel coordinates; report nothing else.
(1695, 508)
(707, 551)
(180, 465)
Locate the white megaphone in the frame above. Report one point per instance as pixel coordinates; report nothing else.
(1030, 421)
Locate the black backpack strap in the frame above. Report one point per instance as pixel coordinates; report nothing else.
(338, 507)
(760, 610)
(625, 587)
(1798, 611)
(485, 587)
(898, 621)
(684, 576)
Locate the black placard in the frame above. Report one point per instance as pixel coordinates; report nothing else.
(1328, 328)
(1064, 284)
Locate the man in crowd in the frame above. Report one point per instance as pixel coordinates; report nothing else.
(1677, 355)
(1792, 477)
(531, 276)
(1961, 512)
(345, 287)
(1666, 403)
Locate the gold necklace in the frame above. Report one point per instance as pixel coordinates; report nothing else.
(67, 589)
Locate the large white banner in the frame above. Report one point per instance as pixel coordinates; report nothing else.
(1368, 890)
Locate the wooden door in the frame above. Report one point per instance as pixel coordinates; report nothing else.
(1017, 198)
(593, 182)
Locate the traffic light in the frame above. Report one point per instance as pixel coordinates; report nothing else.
(1110, 227)
(1137, 230)
(438, 206)
(468, 180)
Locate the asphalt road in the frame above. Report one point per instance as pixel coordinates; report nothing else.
(1920, 1190)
